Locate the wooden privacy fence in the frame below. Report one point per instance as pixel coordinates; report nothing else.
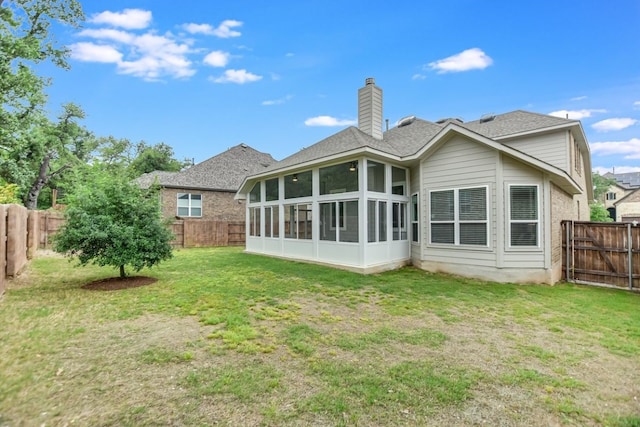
(202, 233)
(601, 253)
(18, 240)
(189, 233)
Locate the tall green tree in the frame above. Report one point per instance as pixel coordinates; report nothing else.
(159, 157)
(47, 152)
(112, 222)
(25, 41)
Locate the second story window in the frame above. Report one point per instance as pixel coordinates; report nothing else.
(611, 195)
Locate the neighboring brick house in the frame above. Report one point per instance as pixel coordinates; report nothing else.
(623, 198)
(207, 189)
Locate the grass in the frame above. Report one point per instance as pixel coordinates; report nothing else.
(227, 338)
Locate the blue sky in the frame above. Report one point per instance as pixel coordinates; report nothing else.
(203, 76)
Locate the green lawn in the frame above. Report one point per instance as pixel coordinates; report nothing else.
(225, 338)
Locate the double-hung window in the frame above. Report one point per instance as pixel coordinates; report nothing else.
(189, 204)
(459, 216)
(524, 216)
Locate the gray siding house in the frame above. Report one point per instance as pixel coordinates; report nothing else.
(206, 190)
(483, 199)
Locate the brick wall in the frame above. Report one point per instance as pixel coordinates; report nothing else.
(216, 205)
(563, 207)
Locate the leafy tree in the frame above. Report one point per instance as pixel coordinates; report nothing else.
(110, 221)
(26, 40)
(8, 194)
(601, 186)
(159, 157)
(599, 213)
(46, 152)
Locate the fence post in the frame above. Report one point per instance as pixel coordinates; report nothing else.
(568, 249)
(630, 256)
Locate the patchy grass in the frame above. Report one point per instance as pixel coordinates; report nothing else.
(226, 338)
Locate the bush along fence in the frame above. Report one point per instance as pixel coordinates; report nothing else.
(602, 253)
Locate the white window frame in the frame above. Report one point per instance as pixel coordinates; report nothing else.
(415, 211)
(254, 221)
(537, 221)
(456, 218)
(190, 206)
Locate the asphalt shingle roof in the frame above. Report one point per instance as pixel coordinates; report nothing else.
(407, 140)
(224, 172)
(627, 180)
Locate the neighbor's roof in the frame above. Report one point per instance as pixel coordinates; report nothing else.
(405, 141)
(224, 172)
(627, 180)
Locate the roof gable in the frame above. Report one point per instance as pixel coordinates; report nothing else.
(223, 172)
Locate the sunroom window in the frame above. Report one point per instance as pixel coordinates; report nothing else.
(375, 176)
(254, 194)
(298, 221)
(271, 190)
(399, 177)
(298, 185)
(340, 178)
(254, 221)
(271, 221)
(339, 221)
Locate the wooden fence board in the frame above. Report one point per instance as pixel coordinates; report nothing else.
(602, 253)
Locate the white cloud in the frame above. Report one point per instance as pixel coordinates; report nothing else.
(90, 52)
(618, 169)
(149, 56)
(578, 98)
(470, 59)
(109, 34)
(636, 105)
(329, 121)
(198, 29)
(236, 76)
(224, 30)
(576, 114)
(217, 58)
(613, 124)
(132, 19)
(278, 101)
(629, 149)
(153, 56)
(418, 77)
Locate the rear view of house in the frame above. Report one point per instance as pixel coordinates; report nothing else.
(483, 198)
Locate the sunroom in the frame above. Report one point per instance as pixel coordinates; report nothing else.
(353, 214)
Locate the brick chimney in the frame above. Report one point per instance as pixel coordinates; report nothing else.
(370, 109)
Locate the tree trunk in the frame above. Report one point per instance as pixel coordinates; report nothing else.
(31, 201)
(122, 273)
